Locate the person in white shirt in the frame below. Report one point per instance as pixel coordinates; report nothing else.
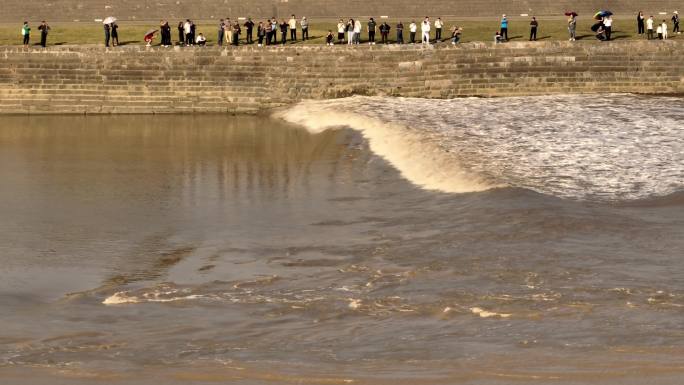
(292, 23)
(340, 31)
(425, 29)
(187, 30)
(649, 28)
(357, 32)
(608, 26)
(201, 40)
(438, 29)
(413, 28)
(664, 27)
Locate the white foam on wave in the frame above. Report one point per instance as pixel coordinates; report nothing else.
(122, 297)
(417, 158)
(606, 147)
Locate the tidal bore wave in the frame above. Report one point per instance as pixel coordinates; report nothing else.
(609, 148)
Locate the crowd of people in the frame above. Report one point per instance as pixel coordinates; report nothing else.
(272, 31)
(648, 26)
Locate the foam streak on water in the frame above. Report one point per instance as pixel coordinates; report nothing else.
(608, 147)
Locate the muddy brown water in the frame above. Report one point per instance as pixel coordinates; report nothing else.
(214, 249)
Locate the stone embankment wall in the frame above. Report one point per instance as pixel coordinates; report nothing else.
(87, 10)
(249, 79)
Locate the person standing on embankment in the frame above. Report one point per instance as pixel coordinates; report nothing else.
(26, 34)
(425, 31)
(115, 34)
(107, 32)
(292, 24)
(608, 26)
(534, 24)
(504, 28)
(44, 28)
(572, 27)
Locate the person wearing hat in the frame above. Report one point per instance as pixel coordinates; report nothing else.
(675, 22)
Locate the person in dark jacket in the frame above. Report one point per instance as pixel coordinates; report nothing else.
(533, 29)
(181, 34)
(400, 33)
(44, 28)
(283, 32)
(115, 34)
(261, 33)
(107, 33)
(371, 31)
(640, 23)
(236, 33)
(192, 32)
(221, 32)
(166, 34)
(249, 26)
(384, 32)
(675, 22)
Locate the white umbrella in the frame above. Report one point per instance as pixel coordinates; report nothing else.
(109, 20)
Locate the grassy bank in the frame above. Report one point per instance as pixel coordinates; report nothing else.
(550, 29)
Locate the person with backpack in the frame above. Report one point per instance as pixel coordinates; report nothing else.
(26, 34)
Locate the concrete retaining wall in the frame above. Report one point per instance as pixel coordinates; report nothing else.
(249, 79)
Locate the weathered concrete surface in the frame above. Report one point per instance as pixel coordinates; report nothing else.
(250, 79)
(87, 10)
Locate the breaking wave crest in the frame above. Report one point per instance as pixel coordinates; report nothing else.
(420, 159)
(608, 147)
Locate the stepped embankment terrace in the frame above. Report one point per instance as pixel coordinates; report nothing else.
(135, 79)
